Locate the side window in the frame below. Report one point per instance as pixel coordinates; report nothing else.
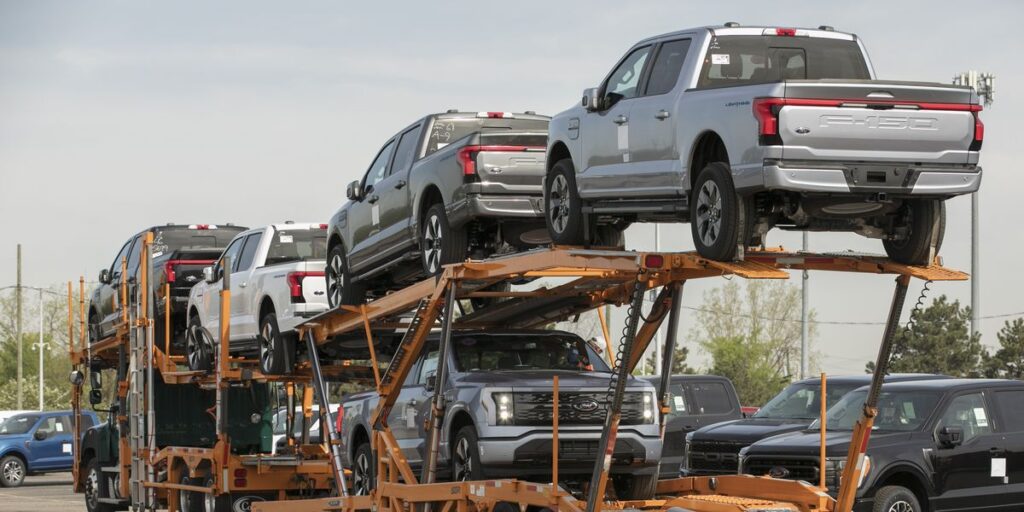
(1009, 404)
(52, 425)
(86, 422)
(231, 252)
(711, 398)
(405, 151)
(115, 267)
(248, 252)
(428, 367)
(666, 67)
(625, 80)
(133, 256)
(969, 413)
(379, 167)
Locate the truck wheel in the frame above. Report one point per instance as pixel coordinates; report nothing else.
(441, 243)
(609, 236)
(340, 288)
(635, 487)
(466, 456)
(926, 219)
(277, 351)
(198, 347)
(718, 216)
(189, 501)
(893, 498)
(94, 327)
(479, 303)
(216, 502)
(96, 488)
(12, 471)
(562, 205)
(364, 469)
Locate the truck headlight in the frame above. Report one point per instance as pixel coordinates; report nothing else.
(648, 408)
(505, 410)
(686, 451)
(841, 466)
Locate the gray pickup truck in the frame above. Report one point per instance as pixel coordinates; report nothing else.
(446, 187)
(740, 129)
(497, 421)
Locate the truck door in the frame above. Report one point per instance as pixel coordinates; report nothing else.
(713, 402)
(211, 296)
(407, 418)
(395, 201)
(107, 294)
(656, 166)
(50, 446)
(1008, 402)
(680, 421)
(963, 472)
(364, 215)
(605, 133)
(244, 324)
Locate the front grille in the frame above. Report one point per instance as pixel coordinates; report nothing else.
(795, 468)
(574, 408)
(576, 449)
(714, 456)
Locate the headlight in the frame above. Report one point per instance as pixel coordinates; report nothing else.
(505, 411)
(740, 458)
(648, 408)
(841, 466)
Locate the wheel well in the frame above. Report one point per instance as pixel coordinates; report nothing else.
(461, 419)
(87, 455)
(19, 456)
(910, 481)
(428, 198)
(266, 306)
(334, 240)
(708, 148)
(558, 152)
(193, 313)
(358, 438)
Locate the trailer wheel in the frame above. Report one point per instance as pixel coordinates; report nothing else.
(927, 222)
(340, 288)
(609, 236)
(364, 478)
(894, 498)
(215, 502)
(465, 458)
(96, 488)
(198, 347)
(277, 351)
(440, 242)
(635, 487)
(12, 471)
(719, 217)
(563, 211)
(189, 501)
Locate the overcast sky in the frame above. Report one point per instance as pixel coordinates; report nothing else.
(118, 115)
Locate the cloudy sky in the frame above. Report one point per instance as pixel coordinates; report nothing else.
(122, 114)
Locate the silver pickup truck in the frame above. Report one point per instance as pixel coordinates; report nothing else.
(740, 129)
(446, 187)
(497, 419)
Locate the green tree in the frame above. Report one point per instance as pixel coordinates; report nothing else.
(749, 365)
(1008, 361)
(679, 366)
(937, 340)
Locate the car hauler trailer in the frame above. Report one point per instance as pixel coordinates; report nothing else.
(592, 279)
(188, 440)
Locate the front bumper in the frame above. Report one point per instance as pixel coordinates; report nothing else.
(894, 179)
(577, 454)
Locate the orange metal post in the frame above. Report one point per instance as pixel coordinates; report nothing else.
(369, 342)
(824, 428)
(554, 433)
(82, 342)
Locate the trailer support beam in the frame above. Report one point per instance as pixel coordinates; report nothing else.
(440, 379)
(325, 414)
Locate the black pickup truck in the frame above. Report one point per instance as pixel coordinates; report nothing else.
(952, 444)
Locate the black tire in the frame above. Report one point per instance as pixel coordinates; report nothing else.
(94, 327)
(96, 488)
(189, 501)
(12, 471)
(927, 222)
(563, 209)
(893, 498)
(364, 471)
(215, 503)
(465, 456)
(479, 303)
(718, 216)
(440, 243)
(635, 487)
(340, 288)
(277, 351)
(199, 347)
(609, 236)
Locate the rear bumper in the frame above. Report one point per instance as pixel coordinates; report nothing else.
(496, 206)
(893, 179)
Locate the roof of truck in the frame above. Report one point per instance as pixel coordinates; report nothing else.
(948, 384)
(757, 30)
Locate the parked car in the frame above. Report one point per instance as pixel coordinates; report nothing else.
(179, 253)
(313, 428)
(446, 187)
(740, 129)
(33, 443)
(697, 401)
(714, 450)
(277, 281)
(954, 444)
(499, 408)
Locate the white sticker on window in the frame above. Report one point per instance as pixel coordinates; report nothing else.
(623, 137)
(979, 416)
(410, 417)
(285, 239)
(720, 58)
(998, 468)
(158, 254)
(65, 447)
(677, 402)
(60, 427)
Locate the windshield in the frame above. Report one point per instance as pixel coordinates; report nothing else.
(20, 424)
(290, 245)
(747, 60)
(178, 239)
(802, 401)
(897, 411)
(445, 131)
(519, 352)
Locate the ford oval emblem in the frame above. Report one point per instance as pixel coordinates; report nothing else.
(585, 405)
(778, 472)
(803, 131)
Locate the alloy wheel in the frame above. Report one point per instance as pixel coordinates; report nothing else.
(463, 461)
(901, 506)
(267, 346)
(13, 472)
(432, 235)
(92, 489)
(709, 213)
(361, 476)
(333, 275)
(558, 203)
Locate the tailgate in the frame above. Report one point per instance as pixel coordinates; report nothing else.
(314, 284)
(507, 162)
(878, 121)
(184, 268)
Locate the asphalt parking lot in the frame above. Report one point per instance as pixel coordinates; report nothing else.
(39, 493)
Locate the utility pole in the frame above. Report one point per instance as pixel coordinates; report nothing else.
(984, 85)
(805, 293)
(41, 348)
(657, 333)
(17, 332)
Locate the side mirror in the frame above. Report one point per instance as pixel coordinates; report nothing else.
(354, 191)
(76, 378)
(208, 274)
(592, 99)
(95, 379)
(951, 437)
(431, 382)
(95, 397)
(104, 277)
(40, 435)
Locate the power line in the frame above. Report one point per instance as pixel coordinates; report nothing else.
(823, 322)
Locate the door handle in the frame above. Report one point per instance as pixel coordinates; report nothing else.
(373, 199)
(662, 115)
(620, 119)
(400, 185)
(242, 285)
(413, 402)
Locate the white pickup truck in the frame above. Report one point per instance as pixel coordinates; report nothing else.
(277, 280)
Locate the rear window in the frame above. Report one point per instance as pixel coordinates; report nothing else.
(445, 131)
(178, 239)
(747, 60)
(290, 245)
(711, 397)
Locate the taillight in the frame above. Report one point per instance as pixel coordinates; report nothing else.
(789, 32)
(467, 155)
(323, 226)
(496, 115)
(979, 131)
(337, 422)
(169, 275)
(295, 284)
(766, 111)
